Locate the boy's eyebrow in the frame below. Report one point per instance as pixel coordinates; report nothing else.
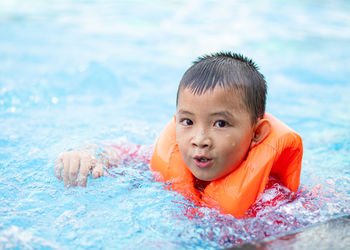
(219, 113)
(185, 112)
(222, 113)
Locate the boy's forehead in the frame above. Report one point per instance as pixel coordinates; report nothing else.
(227, 94)
(216, 96)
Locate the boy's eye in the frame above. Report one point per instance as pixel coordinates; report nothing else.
(186, 122)
(221, 124)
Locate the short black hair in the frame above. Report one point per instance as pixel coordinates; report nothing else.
(229, 71)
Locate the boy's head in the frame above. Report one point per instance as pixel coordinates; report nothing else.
(232, 72)
(219, 117)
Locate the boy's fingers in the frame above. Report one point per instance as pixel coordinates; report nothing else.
(97, 170)
(85, 167)
(59, 167)
(73, 168)
(58, 170)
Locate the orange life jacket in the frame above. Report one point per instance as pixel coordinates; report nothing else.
(279, 155)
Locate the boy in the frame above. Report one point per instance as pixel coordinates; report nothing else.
(219, 118)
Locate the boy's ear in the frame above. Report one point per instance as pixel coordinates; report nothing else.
(262, 130)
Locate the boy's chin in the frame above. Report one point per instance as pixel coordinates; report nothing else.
(202, 174)
(202, 177)
(208, 176)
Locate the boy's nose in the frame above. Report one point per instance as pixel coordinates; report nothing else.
(201, 140)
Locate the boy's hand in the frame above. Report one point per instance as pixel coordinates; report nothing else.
(73, 167)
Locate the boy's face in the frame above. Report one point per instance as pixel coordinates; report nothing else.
(213, 131)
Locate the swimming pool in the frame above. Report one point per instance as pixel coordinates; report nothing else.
(79, 72)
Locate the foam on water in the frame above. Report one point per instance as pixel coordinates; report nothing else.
(73, 73)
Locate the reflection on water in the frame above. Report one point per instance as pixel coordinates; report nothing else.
(333, 233)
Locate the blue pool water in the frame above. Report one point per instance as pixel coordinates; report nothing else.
(73, 73)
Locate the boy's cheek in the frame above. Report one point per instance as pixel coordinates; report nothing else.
(181, 145)
(180, 136)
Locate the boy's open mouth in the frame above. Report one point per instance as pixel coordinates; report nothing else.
(202, 162)
(202, 159)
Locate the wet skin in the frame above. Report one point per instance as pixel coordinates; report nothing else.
(214, 132)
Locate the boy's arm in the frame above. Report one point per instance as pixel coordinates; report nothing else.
(74, 166)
